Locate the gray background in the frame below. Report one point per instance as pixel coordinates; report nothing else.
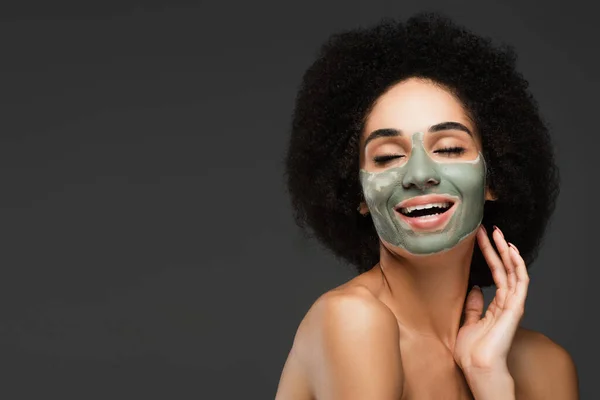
(148, 249)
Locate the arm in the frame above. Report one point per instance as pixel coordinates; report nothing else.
(491, 385)
(541, 369)
(498, 362)
(483, 344)
(349, 345)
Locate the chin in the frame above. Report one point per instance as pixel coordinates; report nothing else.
(424, 249)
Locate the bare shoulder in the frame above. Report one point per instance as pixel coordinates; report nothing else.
(349, 344)
(541, 367)
(348, 314)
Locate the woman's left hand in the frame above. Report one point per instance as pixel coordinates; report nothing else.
(482, 344)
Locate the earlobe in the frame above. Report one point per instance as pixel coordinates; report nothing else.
(489, 195)
(363, 209)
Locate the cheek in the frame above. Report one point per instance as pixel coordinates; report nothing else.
(468, 178)
(377, 187)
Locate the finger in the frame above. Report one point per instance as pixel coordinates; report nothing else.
(521, 274)
(473, 306)
(503, 249)
(492, 259)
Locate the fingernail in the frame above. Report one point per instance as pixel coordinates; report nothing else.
(483, 229)
(476, 287)
(514, 247)
(499, 231)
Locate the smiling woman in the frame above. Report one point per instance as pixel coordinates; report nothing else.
(408, 139)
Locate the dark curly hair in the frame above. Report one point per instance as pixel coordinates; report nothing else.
(357, 66)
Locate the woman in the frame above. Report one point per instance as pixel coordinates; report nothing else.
(419, 156)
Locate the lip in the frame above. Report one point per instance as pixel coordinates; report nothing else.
(428, 224)
(426, 199)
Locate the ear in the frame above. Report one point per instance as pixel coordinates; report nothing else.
(490, 195)
(362, 208)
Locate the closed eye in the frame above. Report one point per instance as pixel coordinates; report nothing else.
(380, 160)
(451, 150)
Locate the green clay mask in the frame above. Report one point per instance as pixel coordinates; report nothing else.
(460, 182)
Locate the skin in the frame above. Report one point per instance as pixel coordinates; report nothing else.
(394, 331)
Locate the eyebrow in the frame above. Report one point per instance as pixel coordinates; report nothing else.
(442, 126)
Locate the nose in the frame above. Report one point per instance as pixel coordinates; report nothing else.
(421, 172)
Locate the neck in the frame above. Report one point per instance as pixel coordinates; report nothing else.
(427, 293)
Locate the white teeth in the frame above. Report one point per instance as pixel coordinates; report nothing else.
(424, 206)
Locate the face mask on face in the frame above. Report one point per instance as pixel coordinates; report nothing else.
(456, 189)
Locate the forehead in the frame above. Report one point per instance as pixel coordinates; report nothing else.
(413, 106)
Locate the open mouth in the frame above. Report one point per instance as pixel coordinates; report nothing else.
(425, 210)
(427, 213)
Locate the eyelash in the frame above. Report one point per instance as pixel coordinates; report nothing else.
(383, 159)
(454, 150)
(447, 150)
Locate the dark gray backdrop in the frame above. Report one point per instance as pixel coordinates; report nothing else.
(148, 249)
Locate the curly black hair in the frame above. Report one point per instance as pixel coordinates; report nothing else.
(338, 90)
